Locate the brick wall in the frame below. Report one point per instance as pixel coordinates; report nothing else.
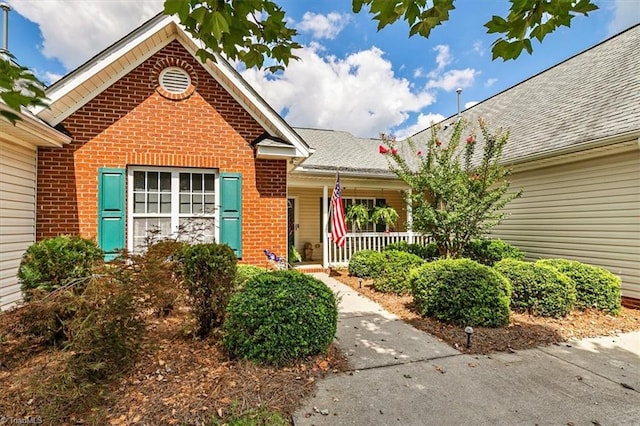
(132, 123)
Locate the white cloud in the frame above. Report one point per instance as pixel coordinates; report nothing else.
(468, 105)
(444, 57)
(490, 82)
(424, 121)
(47, 77)
(453, 79)
(478, 47)
(323, 26)
(418, 72)
(626, 13)
(74, 31)
(358, 93)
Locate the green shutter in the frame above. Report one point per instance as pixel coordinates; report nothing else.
(231, 211)
(111, 196)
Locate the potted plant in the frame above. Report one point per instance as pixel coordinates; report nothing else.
(384, 214)
(358, 214)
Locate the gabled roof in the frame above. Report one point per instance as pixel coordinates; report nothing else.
(591, 99)
(339, 150)
(87, 81)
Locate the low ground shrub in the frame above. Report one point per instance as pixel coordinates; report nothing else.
(595, 287)
(208, 272)
(538, 289)
(366, 264)
(394, 273)
(426, 252)
(55, 262)
(488, 252)
(462, 292)
(280, 317)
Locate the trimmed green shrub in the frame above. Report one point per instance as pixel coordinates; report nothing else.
(428, 252)
(488, 252)
(208, 272)
(55, 262)
(366, 264)
(595, 287)
(394, 275)
(280, 317)
(462, 292)
(244, 273)
(538, 289)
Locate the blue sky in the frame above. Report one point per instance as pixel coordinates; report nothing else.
(351, 77)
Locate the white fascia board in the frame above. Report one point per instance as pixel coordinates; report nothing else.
(46, 135)
(67, 87)
(276, 152)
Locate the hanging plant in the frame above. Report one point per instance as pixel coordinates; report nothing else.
(359, 214)
(386, 215)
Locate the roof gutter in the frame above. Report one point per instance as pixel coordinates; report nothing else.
(40, 129)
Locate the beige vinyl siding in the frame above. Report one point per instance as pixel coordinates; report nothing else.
(308, 210)
(17, 215)
(587, 211)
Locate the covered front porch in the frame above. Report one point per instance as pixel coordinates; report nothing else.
(308, 217)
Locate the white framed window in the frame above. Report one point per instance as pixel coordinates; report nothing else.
(171, 202)
(370, 203)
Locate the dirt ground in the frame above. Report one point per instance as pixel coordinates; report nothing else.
(177, 380)
(524, 331)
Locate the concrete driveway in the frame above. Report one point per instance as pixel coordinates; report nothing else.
(403, 376)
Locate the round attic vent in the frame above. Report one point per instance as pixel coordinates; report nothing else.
(174, 80)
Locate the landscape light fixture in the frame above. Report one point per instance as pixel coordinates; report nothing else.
(469, 331)
(360, 282)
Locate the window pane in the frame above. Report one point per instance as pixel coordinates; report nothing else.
(138, 181)
(196, 181)
(197, 203)
(138, 203)
(209, 204)
(197, 230)
(152, 203)
(152, 181)
(159, 227)
(185, 203)
(208, 183)
(184, 182)
(165, 182)
(165, 203)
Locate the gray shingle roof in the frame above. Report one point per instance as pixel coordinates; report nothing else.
(591, 96)
(341, 150)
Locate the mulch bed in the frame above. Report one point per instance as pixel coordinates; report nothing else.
(523, 332)
(177, 380)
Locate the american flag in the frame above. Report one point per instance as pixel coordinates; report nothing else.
(338, 225)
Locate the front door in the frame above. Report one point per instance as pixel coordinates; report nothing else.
(291, 222)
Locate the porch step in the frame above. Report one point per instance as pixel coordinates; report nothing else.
(311, 269)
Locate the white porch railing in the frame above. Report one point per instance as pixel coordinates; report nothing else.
(340, 256)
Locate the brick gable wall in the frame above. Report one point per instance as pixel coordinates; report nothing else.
(130, 123)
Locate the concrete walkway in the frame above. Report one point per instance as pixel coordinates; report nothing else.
(402, 376)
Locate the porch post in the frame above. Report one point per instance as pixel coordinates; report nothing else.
(409, 217)
(325, 223)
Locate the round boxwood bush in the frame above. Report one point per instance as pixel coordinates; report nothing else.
(462, 292)
(244, 273)
(538, 289)
(488, 252)
(394, 276)
(52, 263)
(366, 264)
(426, 252)
(595, 287)
(280, 317)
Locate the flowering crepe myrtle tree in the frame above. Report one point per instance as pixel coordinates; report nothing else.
(454, 198)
